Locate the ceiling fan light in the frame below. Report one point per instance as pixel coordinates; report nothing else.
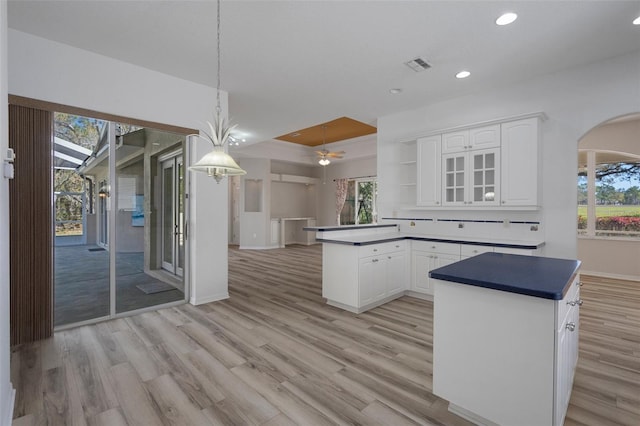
(324, 162)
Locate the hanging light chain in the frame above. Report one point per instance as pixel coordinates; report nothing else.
(218, 108)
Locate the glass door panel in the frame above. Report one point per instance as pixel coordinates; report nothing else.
(80, 181)
(168, 215)
(180, 217)
(149, 258)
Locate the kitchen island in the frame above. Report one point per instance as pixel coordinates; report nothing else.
(505, 342)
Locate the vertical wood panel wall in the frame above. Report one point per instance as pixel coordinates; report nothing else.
(31, 240)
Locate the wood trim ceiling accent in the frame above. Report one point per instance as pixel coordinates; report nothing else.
(30, 222)
(55, 107)
(336, 130)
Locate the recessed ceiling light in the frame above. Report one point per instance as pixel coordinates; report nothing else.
(506, 18)
(395, 91)
(463, 74)
(636, 21)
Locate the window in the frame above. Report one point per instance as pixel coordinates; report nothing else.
(360, 205)
(608, 194)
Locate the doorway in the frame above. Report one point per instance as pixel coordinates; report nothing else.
(120, 219)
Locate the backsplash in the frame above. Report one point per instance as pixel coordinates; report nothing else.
(454, 226)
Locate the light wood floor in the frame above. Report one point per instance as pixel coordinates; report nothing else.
(275, 354)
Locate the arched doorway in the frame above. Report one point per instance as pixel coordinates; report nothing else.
(609, 198)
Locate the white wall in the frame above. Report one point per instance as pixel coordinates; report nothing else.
(54, 72)
(255, 229)
(327, 190)
(291, 199)
(6, 389)
(575, 101)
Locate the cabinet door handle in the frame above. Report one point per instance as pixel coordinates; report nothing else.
(570, 326)
(579, 302)
(375, 249)
(374, 260)
(389, 257)
(579, 283)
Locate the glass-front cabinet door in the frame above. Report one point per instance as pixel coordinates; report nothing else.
(454, 170)
(484, 177)
(471, 178)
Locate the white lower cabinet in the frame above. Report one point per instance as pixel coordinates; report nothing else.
(567, 331)
(426, 256)
(359, 278)
(396, 272)
(372, 279)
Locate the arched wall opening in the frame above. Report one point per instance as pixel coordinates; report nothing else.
(608, 234)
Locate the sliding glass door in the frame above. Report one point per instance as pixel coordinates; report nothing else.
(120, 218)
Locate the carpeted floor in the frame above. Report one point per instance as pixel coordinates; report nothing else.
(81, 290)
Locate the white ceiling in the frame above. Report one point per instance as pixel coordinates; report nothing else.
(288, 65)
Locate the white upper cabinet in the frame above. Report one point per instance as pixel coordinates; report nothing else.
(428, 171)
(471, 178)
(455, 141)
(520, 162)
(491, 166)
(485, 137)
(478, 138)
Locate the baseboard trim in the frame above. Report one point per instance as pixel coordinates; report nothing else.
(257, 247)
(209, 299)
(472, 417)
(418, 295)
(612, 276)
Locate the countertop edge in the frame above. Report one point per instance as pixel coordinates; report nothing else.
(556, 293)
(433, 239)
(345, 228)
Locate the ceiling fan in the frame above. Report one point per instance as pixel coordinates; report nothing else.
(324, 155)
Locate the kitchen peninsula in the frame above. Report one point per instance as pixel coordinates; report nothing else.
(367, 265)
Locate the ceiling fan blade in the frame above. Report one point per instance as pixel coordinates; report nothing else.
(334, 155)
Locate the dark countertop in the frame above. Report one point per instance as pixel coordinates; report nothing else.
(345, 227)
(544, 277)
(366, 240)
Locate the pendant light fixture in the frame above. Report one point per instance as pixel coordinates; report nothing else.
(218, 163)
(324, 161)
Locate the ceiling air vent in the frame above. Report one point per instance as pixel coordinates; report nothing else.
(418, 64)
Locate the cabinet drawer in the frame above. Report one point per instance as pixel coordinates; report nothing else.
(382, 248)
(468, 250)
(569, 302)
(436, 247)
